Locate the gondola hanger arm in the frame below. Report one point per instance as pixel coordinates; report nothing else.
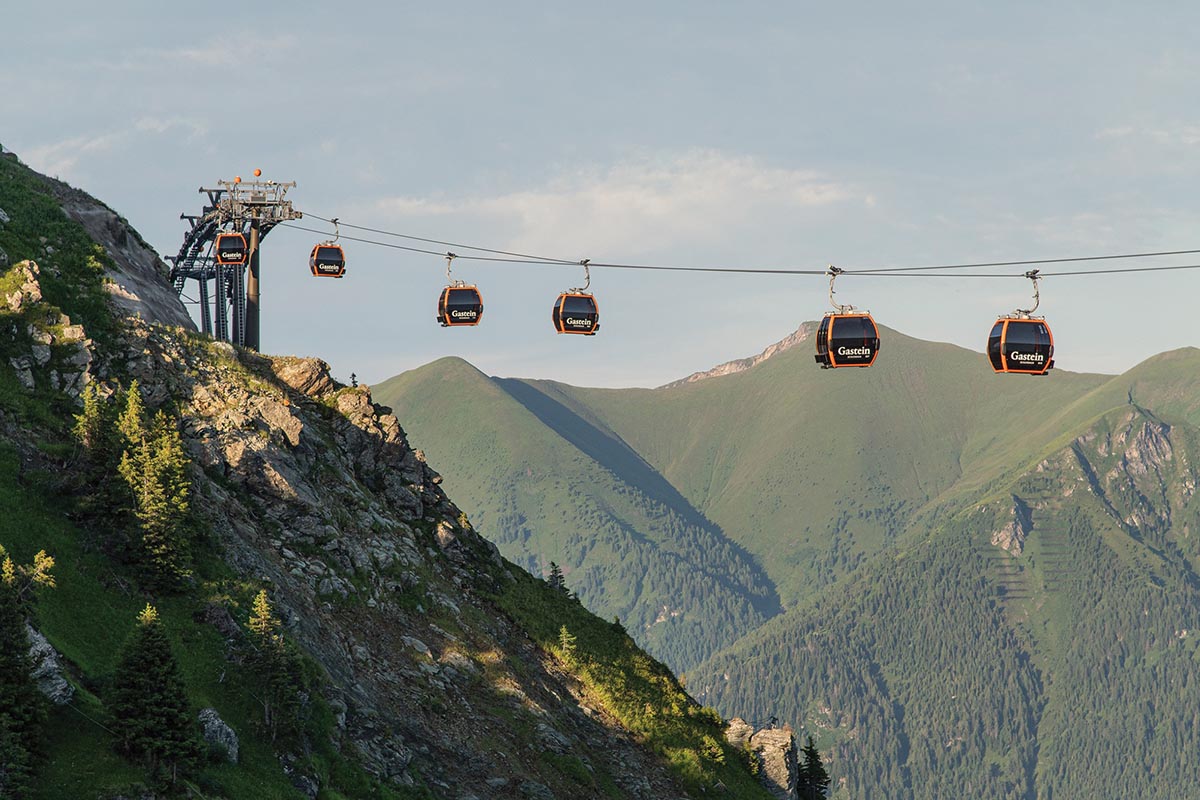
(833, 273)
(449, 258)
(1037, 295)
(587, 276)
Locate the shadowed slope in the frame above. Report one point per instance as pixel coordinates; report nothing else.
(544, 485)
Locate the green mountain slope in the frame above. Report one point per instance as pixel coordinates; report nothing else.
(548, 485)
(1038, 645)
(810, 471)
(814, 470)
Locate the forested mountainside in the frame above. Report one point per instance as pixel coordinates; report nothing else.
(1040, 644)
(265, 541)
(988, 580)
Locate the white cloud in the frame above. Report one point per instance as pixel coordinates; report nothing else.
(229, 51)
(698, 196)
(234, 50)
(60, 158)
(1185, 135)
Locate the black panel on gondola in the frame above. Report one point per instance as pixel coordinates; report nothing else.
(460, 305)
(327, 261)
(847, 340)
(576, 312)
(1022, 346)
(231, 249)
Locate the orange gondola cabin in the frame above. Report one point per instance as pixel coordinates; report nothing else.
(576, 312)
(231, 249)
(1023, 346)
(460, 305)
(327, 260)
(847, 340)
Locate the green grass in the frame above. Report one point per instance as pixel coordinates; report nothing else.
(639, 691)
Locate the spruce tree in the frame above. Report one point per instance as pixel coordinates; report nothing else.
(105, 499)
(813, 783)
(132, 422)
(152, 720)
(276, 668)
(566, 644)
(556, 579)
(22, 707)
(154, 467)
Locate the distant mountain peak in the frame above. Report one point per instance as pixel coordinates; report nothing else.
(801, 334)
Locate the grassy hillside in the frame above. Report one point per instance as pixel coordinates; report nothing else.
(814, 470)
(547, 485)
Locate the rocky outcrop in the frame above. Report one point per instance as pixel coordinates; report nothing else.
(800, 336)
(218, 734)
(48, 671)
(313, 490)
(54, 347)
(775, 749)
(1011, 537)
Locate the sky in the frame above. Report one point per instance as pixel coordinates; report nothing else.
(754, 134)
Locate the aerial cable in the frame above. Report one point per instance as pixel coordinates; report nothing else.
(448, 244)
(861, 271)
(905, 272)
(1025, 263)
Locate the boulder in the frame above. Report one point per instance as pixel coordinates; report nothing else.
(218, 734)
(308, 376)
(48, 670)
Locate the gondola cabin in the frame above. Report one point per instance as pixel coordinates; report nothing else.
(847, 340)
(231, 249)
(327, 261)
(1023, 346)
(460, 305)
(576, 312)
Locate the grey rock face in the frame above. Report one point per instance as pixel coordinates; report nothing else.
(776, 748)
(552, 740)
(5, 218)
(3, 258)
(139, 286)
(219, 734)
(536, 791)
(48, 669)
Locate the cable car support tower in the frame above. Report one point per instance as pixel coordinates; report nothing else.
(228, 294)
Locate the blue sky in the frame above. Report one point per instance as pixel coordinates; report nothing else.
(761, 134)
